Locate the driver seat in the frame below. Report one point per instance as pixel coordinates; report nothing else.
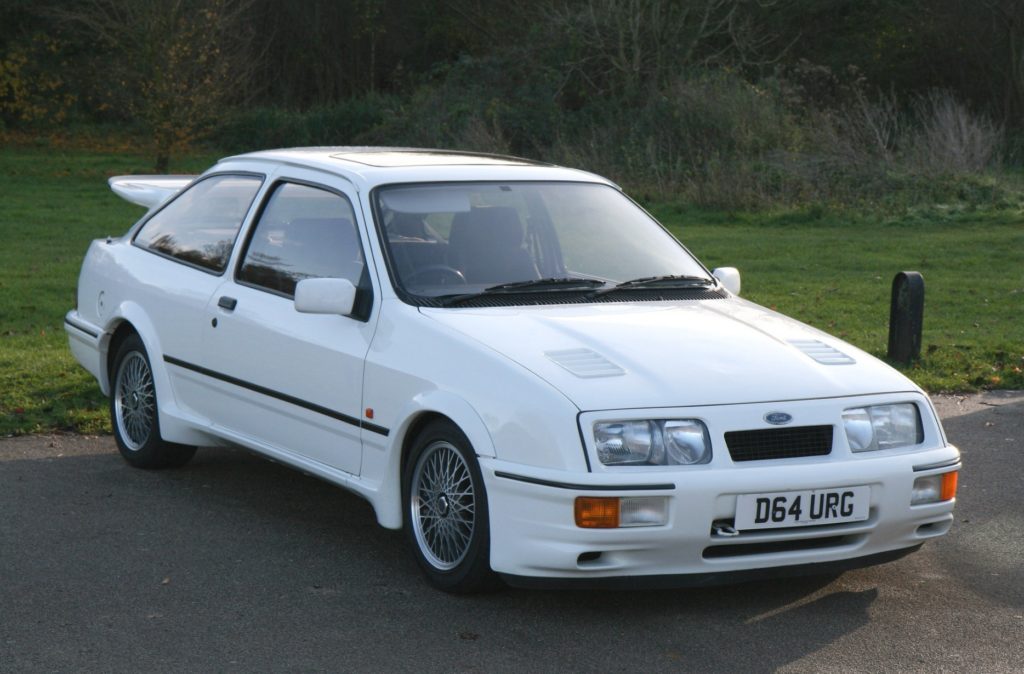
(486, 245)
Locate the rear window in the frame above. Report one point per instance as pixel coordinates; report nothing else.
(199, 227)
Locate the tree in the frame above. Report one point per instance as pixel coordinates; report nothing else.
(636, 47)
(173, 65)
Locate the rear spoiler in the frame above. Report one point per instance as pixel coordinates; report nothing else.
(148, 191)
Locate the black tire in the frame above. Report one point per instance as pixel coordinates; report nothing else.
(133, 411)
(445, 505)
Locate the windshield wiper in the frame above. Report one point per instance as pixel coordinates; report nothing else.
(541, 285)
(665, 281)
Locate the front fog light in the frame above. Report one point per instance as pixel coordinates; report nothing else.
(934, 488)
(613, 512)
(643, 511)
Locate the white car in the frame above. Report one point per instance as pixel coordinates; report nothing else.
(511, 360)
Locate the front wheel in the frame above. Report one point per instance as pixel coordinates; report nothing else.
(134, 414)
(446, 505)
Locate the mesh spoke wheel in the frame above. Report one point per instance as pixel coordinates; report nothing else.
(134, 411)
(134, 401)
(443, 505)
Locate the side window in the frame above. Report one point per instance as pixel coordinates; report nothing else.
(304, 232)
(200, 225)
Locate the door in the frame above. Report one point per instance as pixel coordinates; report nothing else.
(285, 379)
(187, 244)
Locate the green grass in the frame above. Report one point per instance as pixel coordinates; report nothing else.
(54, 203)
(832, 270)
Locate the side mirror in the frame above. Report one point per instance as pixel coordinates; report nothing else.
(729, 277)
(325, 296)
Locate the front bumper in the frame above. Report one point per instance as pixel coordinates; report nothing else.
(534, 534)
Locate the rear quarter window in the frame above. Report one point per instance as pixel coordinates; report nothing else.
(200, 226)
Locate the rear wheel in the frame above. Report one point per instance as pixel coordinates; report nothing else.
(134, 412)
(446, 506)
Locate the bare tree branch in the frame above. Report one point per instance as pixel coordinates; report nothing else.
(173, 65)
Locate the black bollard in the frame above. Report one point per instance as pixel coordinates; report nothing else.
(906, 316)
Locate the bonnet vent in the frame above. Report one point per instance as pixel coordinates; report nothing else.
(822, 352)
(585, 363)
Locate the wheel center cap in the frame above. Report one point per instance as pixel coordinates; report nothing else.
(443, 504)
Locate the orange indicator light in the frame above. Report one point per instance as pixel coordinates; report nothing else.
(949, 486)
(597, 512)
(369, 412)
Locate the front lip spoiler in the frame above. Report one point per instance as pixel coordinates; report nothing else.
(677, 581)
(667, 486)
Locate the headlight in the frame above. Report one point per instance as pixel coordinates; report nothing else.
(652, 442)
(882, 427)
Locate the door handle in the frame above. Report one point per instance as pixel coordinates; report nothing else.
(227, 303)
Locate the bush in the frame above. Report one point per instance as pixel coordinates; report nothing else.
(503, 104)
(950, 140)
(711, 138)
(706, 138)
(880, 152)
(350, 122)
(32, 89)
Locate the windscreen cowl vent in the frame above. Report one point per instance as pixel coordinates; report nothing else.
(822, 352)
(585, 363)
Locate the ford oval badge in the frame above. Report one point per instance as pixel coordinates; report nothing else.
(778, 418)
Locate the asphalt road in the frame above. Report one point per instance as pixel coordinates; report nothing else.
(238, 564)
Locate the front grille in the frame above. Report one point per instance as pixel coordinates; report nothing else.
(779, 443)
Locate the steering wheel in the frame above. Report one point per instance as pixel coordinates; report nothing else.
(436, 274)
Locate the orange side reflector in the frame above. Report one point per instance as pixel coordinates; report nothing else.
(597, 512)
(949, 486)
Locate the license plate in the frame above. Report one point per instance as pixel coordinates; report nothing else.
(802, 508)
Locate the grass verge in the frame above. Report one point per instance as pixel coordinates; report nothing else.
(55, 202)
(832, 270)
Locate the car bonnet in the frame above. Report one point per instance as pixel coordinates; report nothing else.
(674, 354)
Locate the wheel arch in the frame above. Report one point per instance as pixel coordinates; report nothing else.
(128, 319)
(122, 329)
(421, 411)
(458, 562)
(132, 319)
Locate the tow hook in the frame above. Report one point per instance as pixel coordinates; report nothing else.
(723, 529)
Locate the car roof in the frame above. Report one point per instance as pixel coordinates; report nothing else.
(372, 166)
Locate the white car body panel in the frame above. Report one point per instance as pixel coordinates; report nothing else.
(708, 347)
(524, 383)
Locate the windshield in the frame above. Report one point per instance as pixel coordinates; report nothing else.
(461, 238)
